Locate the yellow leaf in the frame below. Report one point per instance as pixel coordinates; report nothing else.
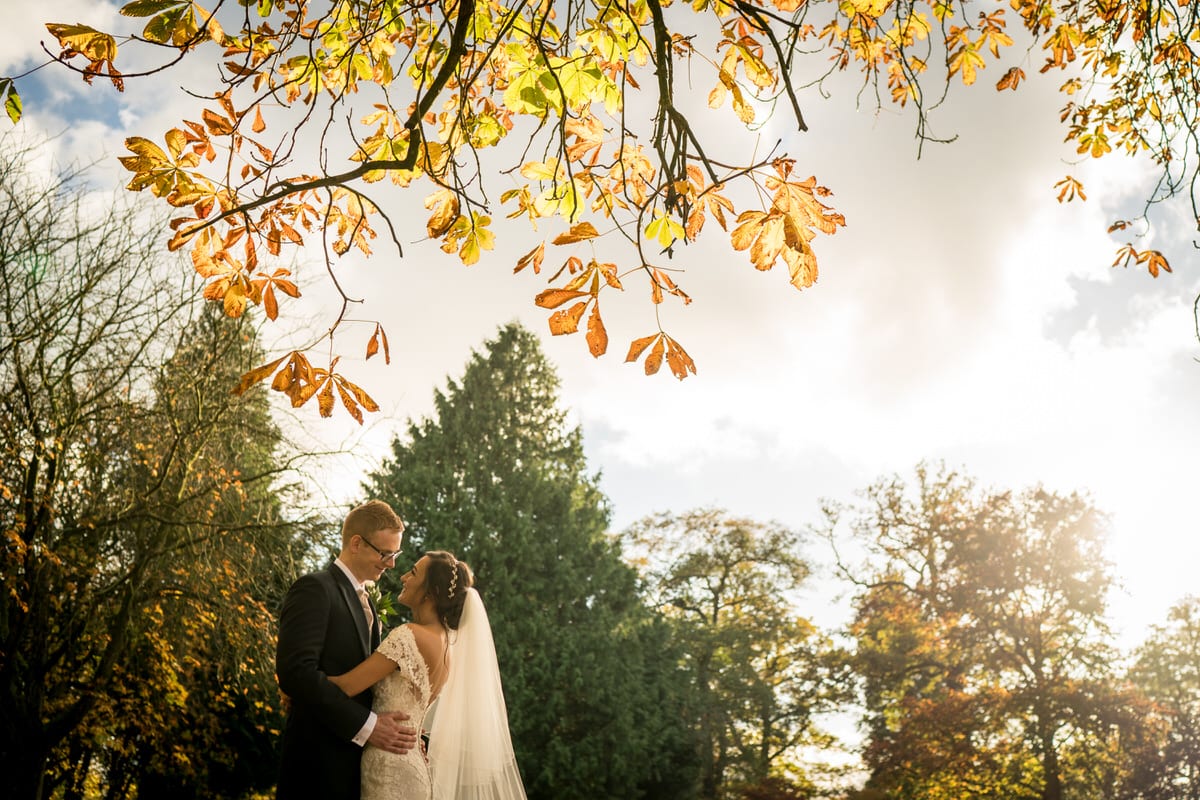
(235, 300)
(444, 204)
(84, 40)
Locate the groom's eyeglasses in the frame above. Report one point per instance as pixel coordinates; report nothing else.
(385, 555)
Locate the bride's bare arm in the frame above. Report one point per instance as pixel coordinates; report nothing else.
(364, 676)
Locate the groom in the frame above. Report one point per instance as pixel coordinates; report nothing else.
(327, 626)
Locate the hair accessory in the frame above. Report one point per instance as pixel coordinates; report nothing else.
(453, 577)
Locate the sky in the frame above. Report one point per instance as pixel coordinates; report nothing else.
(961, 315)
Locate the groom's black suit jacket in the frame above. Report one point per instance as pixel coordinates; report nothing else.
(322, 631)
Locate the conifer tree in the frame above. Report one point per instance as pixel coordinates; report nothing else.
(499, 477)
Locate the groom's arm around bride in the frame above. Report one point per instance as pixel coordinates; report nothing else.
(325, 628)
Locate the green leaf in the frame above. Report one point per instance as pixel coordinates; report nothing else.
(12, 100)
(147, 8)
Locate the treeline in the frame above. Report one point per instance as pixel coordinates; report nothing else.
(152, 521)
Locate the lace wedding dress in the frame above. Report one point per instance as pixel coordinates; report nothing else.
(387, 776)
(470, 750)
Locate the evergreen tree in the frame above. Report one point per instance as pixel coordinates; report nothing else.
(499, 477)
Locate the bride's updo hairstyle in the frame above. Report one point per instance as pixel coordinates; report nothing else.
(446, 581)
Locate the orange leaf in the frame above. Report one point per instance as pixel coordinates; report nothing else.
(325, 398)
(597, 336)
(349, 402)
(638, 345)
(1124, 254)
(654, 360)
(567, 320)
(533, 257)
(269, 304)
(255, 375)
(1011, 79)
(259, 126)
(678, 360)
(578, 233)
(373, 343)
(217, 125)
(360, 396)
(553, 298)
(1154, 261)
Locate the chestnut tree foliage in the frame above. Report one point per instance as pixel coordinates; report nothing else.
(577, 117)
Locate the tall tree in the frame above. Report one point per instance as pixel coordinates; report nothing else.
(606, 132)
(981, 638)
(762, 673)
(142, 512)
(498, 477)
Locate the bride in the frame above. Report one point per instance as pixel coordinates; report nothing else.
(445, 654)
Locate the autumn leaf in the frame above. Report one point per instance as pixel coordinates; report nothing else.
(477, 239)
(655, 358)
(597, 336)
(256, 375)
(325, 397)
(588, 132)
(966, 60)
(374, 342)
(532, 258)
(87, 41)
(1070, 188)
(553, 298)
(1154, 261)
(678, 360)
(1011, 79)
(579, 232)
(566, 321)
(444, 204)
(637, 346)
(665, 230)
(660, 280)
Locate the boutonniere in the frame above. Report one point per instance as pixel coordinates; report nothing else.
(383, 605)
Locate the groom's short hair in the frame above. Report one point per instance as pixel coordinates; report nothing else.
(371, 516)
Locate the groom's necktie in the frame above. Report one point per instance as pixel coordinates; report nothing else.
(366, 605)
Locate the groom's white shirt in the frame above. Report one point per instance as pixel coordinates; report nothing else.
(365, 731)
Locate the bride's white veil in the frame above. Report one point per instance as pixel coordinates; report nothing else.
(470, 751)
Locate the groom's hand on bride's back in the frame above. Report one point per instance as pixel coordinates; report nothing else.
(393, 734)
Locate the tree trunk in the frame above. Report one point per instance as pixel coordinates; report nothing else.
(1052, 788)
(25, 757)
